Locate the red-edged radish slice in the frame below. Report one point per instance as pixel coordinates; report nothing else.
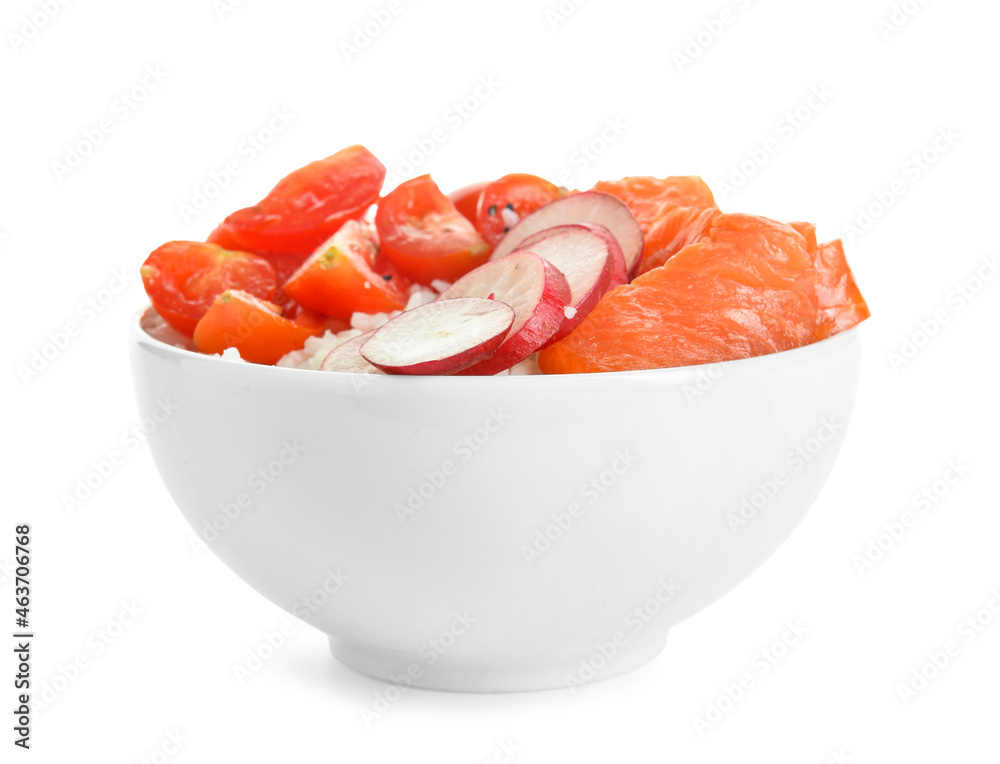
(619, 275)
(537, 292)
(441, 337)
(587, 207)
(585, 259)
(347, 357)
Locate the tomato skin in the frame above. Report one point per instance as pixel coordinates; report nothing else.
(284, 263)
(305, 209)
(254, 327)
(312, 319)
(183, 278)
(425, 236)
(518, 193)
(466, 199)
(347, 275)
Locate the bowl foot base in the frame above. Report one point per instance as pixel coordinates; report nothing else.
(461, 674)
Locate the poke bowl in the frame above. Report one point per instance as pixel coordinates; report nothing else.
(503, 439)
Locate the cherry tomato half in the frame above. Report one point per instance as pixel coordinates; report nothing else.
(254, 327)
(346, 275)
(425, 236)
(506, 201)
(305, 209)
(466, 199)
(183, 278)
(312, 319)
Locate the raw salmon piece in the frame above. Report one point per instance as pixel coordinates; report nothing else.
(841, 303)
(672, 230)
(673, 212)
(808, 231)
(750, 286)
(646, 196)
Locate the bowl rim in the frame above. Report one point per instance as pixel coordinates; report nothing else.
(141, 338)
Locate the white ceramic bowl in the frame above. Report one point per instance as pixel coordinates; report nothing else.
(561, 525)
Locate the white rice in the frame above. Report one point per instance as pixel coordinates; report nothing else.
(154, 325)
(316, 348)
(528, 366)
(421, 295)
(510, 218)
(369, 322)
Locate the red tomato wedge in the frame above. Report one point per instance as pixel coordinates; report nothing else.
(183, 278)
(466, 199)
(313, 319)
(425, 236)
(504, 202)
(305, 209)
(255, 327)
(346, 275)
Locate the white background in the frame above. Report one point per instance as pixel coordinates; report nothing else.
(65, 235)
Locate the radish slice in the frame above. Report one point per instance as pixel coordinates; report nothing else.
(619, 275)
(534, 288)
(585, 259)
(441, 337)
(347, 357)
(587, 207)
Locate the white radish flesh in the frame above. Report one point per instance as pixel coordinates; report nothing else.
(534, 288)
(587, 207)
(619, 275)
(586, 261)
(347, 357)
(442, 337)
